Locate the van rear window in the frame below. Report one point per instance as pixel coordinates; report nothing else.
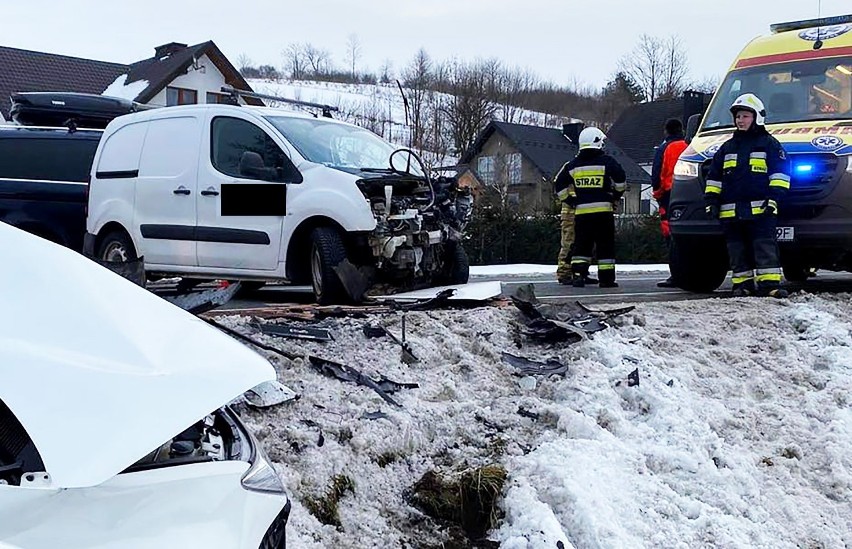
(47, 159)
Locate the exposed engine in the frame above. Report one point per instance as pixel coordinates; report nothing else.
(418, 221)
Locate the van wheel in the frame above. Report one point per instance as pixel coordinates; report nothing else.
(456, 265)
(327, 251)
(116, 247)
(698, 264)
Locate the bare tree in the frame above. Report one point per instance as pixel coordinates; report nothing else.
(417, 78)
(353, 51)
(706, 84)
(243, 62)
(658, 66)
(467, 106)
(514, 84)
(386, 72)
(318, 60)
(294, 61)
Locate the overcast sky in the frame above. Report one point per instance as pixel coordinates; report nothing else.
(564, 41)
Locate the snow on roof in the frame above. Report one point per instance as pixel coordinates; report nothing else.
(126, 91)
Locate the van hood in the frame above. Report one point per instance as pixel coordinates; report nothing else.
(797, 137)
(99, 371)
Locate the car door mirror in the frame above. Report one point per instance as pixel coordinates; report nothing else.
(692, 126)
(288, 171)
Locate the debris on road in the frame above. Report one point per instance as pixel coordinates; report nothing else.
(269, 393)
(204, 301)
(526, 367)
(348, 373)
(295, 332)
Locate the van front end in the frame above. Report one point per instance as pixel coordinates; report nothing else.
(814, 218)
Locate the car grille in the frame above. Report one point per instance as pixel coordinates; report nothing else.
(275, 537)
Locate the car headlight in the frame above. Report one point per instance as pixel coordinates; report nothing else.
(685, 168)
(261, 476)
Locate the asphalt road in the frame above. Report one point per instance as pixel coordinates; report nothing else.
(633, 288)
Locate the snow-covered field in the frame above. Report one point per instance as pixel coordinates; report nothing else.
(738, 435)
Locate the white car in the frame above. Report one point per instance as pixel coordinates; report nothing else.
(114, 425)
(257, 194)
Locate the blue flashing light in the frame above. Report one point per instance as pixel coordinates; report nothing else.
(803, 169)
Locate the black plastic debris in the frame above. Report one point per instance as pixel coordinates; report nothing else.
(526, 413)
(133, 270)
(354, 280)
(633, 378)
(570, 322)
(670, 383)
(526, 367)
(348, 373)
(391, 386)
(296, 332)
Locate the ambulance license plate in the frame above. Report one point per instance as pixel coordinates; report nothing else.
(784, 234)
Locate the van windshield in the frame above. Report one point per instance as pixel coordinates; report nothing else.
(336, 145)
(813, 89)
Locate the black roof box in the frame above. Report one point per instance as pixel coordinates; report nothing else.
(81, 110)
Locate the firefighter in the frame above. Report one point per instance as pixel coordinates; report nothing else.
(662, 174)
(748, 176)
(566, 246)
(591, 183)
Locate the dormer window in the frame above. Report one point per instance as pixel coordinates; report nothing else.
(180, 96)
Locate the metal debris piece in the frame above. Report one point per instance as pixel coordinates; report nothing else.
(561, 322)
(269, 393)
(374, 415)
(354, 281)
(295, 332)
(633, 378)
(348, 373)
(526, 366)
(201, 302)
(407, 354)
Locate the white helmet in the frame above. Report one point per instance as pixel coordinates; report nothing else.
(591, 138)
(750, 102)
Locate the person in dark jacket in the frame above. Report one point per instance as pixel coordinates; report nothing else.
(662, 174)
(748, 176)
(592, 182)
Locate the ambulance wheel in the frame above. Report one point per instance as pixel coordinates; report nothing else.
(698, 264)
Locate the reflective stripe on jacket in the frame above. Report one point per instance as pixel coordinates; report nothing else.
(591, 181)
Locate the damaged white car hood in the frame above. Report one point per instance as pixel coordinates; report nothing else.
(99, 371)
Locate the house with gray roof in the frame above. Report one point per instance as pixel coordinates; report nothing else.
(176, 74)
(522, 161)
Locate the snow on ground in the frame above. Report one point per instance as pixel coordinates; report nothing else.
(738, 435)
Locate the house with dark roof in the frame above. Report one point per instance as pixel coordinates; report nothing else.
(523, 160)
(639, 130)
(176, 74)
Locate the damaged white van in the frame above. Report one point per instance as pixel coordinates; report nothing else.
(260, 194)
(114, 427)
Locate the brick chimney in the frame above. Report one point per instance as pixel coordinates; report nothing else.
(572, 131)
(168, 49)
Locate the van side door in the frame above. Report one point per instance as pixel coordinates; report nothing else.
(242, 197)
(165, 208)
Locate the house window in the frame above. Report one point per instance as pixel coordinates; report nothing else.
(485, 169)
(513, 168)
(213, 97)
(180, 96)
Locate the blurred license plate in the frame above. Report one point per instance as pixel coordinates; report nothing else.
(784, 234)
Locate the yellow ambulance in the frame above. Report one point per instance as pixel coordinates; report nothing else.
(803, 73)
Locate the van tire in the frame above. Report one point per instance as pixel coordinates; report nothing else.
(117, 247)
(698, 264)
(456, 265)
(327, 251)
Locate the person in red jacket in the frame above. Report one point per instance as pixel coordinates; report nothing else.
(662, 174)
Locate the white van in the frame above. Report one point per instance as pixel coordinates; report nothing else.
(261, 194)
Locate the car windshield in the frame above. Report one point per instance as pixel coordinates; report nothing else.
(337, 145)
(813, 89)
